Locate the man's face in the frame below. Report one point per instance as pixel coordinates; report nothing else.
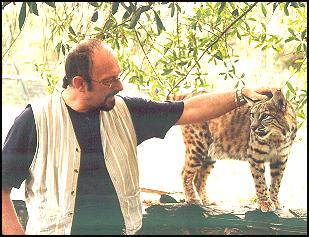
(105, 80)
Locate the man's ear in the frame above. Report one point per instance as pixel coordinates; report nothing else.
(79, 83)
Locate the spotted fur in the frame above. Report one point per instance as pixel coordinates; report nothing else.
(255, 132)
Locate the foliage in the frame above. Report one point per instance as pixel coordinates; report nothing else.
(49, 76)
(163, 47)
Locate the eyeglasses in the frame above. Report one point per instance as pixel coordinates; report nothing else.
(109, 82)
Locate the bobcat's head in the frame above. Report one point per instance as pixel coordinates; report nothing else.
(272, 118)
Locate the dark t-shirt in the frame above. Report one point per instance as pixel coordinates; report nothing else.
(97, 209)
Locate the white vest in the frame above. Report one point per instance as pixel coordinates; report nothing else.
(51, 187)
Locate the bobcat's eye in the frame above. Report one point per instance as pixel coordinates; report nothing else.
(265, 117)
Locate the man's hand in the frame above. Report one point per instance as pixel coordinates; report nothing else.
(259, 93)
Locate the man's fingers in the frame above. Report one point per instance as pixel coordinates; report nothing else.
(254, 95)
(265, 90)
(261, 97)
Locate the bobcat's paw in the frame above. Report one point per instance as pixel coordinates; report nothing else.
(194, 201)
(276, 203)
(208, 202)
(266, 205)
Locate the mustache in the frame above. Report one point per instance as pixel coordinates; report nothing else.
(113, 93)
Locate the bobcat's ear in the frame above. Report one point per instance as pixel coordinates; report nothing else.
(279, 100)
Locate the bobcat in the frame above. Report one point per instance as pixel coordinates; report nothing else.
(257, 132)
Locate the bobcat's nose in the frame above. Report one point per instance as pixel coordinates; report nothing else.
(258, 129)
(253, 127)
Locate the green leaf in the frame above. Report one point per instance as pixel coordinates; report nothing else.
(126, 14)
(95, 16)
(72, 38)
(264, 10)
(275, 48)
(286, 11)
(117, 43)
(115, 7)
(290, 39)
(63, 49)
(33, 8)
(108, 24)
(301, 114)
(182, 63)
(275, 6)
(135, 18)
(291, 87)
(72, 31)
(172, 5)
(302, 104)
(58, 46)
(235, 13)
(299, 125)
(303, 34)
(264, 26)
(4, 4)
(22, 15)
(179, 73)
(222, 5)
(160, 26)
(95, 4)
(265, 47)
(291, 31)
(166, 71)
(51, 4)
(238, 35)
(218, 55)
(193, 25)
(298, 48)
(294, 4)
(178, 7)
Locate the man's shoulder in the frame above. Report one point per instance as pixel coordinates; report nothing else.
(25, 116)
(129, 99)
(140, 101)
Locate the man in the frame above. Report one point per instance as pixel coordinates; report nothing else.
(77, 149)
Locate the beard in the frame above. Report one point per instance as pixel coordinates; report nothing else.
(108, 104)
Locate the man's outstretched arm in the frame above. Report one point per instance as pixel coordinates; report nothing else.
(207, 106)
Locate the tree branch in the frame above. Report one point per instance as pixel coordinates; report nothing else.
(140, 43)
(213, 43)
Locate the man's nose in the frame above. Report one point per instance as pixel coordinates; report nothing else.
(118, 86)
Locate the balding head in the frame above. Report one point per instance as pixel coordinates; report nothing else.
(79, 61)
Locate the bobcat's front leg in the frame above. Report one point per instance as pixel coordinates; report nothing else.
(276, 171)
(188, 173)
(258, 169)
(201, 179)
